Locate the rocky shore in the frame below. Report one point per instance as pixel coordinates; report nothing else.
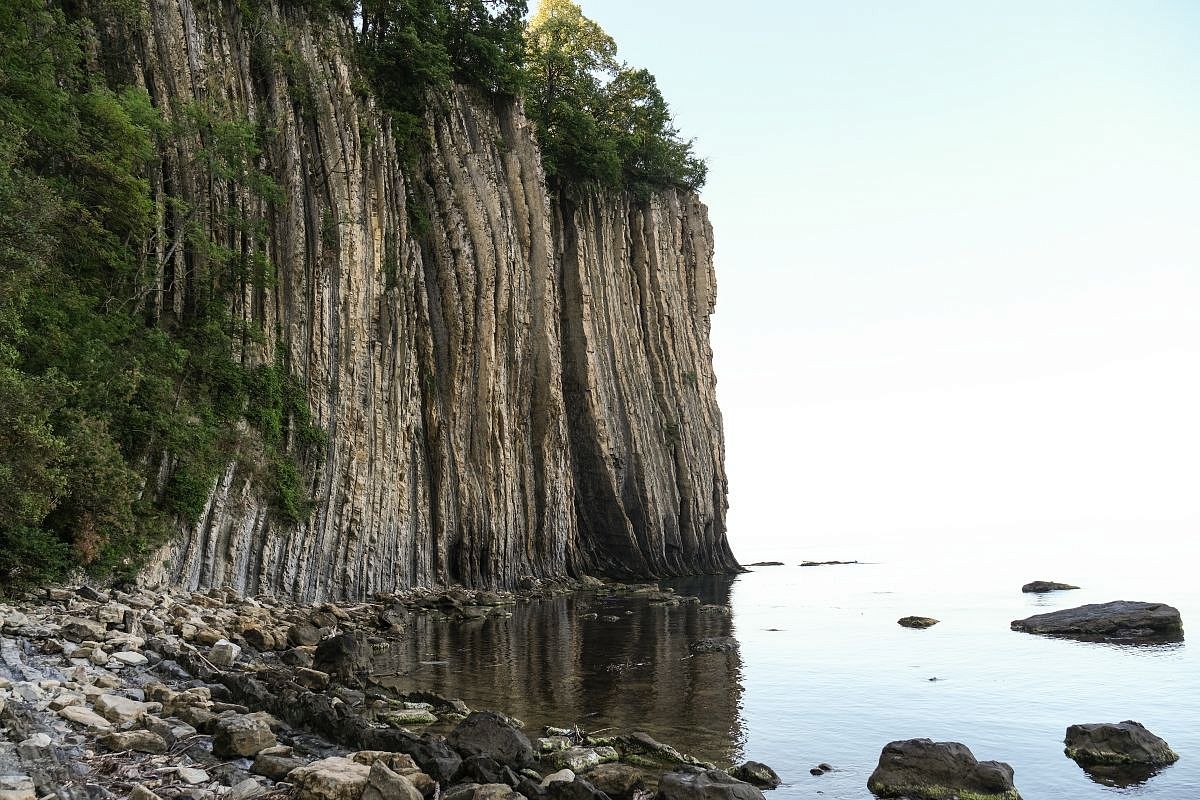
(205, 695)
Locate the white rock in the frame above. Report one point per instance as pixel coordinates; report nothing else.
(564, 775)
(191, 775)
(119, 709)
(223, 653)
(131, 659)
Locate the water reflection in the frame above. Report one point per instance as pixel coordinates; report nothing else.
(612, 663)
(1121, 777)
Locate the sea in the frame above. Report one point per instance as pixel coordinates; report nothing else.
(823, 674)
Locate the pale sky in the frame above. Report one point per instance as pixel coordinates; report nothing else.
(958, 255)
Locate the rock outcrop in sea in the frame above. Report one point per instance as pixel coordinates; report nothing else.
(515, 378)
(1122, 620)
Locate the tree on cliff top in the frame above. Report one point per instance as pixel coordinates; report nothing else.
(597, 119)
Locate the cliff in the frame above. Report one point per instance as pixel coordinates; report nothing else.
(514, 381)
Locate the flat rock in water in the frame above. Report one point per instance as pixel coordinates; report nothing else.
(766, 564)
(922, 769)
(757, 773)
(714, 644)
(917, 622)
(1120, 620)
(692, 783)
(825, 563)
(1038, 587)
(1116, 744)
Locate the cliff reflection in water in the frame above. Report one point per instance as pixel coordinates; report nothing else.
(549, 665)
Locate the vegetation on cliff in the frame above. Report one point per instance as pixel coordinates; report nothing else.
(118, 414)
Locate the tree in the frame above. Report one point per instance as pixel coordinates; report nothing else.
(599, 120)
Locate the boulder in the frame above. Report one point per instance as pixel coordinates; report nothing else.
(223, 653)
(1038, 587)
(1116, 621)
(486, 733)
(578, 789)
(275, 766)
(714, 644)
(691, 783)
(917, 622)
(119, 710)
(580, 759)
(758, 774)
(384, 784)
(303, 634)
(81, 715)
(242, 737)
(1116, 744)
(618, 781)
(926, 770)
(333, 778)
(79, 629)
(481, 769)
(555, 777)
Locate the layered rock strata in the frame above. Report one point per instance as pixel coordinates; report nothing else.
(515, 382)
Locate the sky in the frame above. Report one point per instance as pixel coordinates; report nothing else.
(958, 260)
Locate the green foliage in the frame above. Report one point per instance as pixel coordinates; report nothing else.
(412, 48)
(92, 395)
(598, 120)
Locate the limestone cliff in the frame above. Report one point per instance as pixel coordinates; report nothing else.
(514, 381)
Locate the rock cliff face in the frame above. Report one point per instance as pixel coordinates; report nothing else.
(514, 381)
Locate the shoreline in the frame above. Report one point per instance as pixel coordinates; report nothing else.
(186, 668)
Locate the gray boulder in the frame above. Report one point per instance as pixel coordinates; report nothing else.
(1039, 587)
(1116, 744)
(693, 783)
(926, 770)
(486, 733)
(1116, 621)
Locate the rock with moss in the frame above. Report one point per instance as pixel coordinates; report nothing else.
(922, 769)
(1117, 744)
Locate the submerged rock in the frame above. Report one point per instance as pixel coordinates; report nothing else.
(1117, 744)
(756, 773)
(917, 622)
(1038, 587)
(714, 644)
(1119, 620)
(926, 770)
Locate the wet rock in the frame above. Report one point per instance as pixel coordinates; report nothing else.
(1116, 621)
(1038, 587)
(242, 736)
(552, 744)
(618, 781)
(224, 652)
(484, 770)
(917, 622)
(926, 770)
(641, 749)
(333, 778)
(715, 644)
(1116, 744)
(700, 784)
(384, 784)
(766, 564)
(137, 741)
(487, 733)
(408, 716)
(580, 759)
(756, 773)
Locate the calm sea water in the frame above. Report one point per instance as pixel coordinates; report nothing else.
(824, 673)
